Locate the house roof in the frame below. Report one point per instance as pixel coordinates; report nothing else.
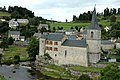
(106, 42)
(75, 43)
(14, 32)
(37, 34)
(94, 22)
(53, 36)
(72, 37)
(43, 26)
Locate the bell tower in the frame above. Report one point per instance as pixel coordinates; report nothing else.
(94, 39)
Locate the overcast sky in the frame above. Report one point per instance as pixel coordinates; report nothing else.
(61, 9)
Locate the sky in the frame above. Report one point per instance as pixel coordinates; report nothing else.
(61, 10)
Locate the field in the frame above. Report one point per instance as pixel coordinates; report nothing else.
(4, 13)
(68, 25)
(15, 50)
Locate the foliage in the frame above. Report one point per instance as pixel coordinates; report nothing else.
(34, 21)
(33, 48)
(16, 59)
(15, 50)
(47, 56)
(111, 72)
(84, 77)
(2, 77)
(85, 69)
(4, 43)
(10, 40)
(1, 55)
(113, 18)
(20, 12)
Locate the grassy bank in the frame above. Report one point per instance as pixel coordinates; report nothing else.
(2, 78)
(4, 13)
(13, 50)
(84, 69)
(57, 72)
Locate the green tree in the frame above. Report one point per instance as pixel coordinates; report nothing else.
(113, 18)
(84, 77)
(16, 59)
(10, 40)
(4, 43)
(1, 58)
(111, 72)
(33, 48)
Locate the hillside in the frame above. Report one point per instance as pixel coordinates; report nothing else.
(2, 13)
(68, 25)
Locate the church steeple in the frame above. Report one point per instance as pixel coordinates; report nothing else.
(94, 22)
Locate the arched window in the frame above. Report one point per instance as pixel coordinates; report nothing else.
(91, 34)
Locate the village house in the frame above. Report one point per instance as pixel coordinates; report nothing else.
(82, 49)
(13, 24)
(42, 26)
(14, 34)
(26, 21)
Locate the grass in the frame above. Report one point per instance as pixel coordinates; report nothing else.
(15, 50)
(85, 69)
(57, 72)
(2, 78)
(68, 25)
(4, 13)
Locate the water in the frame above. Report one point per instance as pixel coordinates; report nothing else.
(19, 73)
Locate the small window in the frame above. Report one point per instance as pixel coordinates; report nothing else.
(92, 34)
(55, 43)
(50, 42)
(55, 49)
(51, 48)
(65, 53)
(47, 42)
(55, 55)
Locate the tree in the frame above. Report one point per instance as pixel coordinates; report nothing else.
(74, 18)
(1, 55)
(16, 59)
(4, 43)
(84, 77)
(33, 48)
(10, 40)
(113, 18)
(111, 72)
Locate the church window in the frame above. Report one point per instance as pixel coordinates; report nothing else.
(91, 34)
(65, 53)
(55, 55)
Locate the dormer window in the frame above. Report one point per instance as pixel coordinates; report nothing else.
(91, 34)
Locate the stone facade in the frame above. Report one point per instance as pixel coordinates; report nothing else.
(83, 51)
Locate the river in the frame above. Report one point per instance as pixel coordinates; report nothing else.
(16, 72)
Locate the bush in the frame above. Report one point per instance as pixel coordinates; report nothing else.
(84, 77)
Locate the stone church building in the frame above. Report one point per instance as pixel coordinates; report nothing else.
(72, 50)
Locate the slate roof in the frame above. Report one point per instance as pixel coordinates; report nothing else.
(72, 37)
(94, 22)
(14, 32)
(53, 36)
(37, 35)
(75, 43)
(106, 42)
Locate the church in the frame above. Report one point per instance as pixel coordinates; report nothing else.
(73, 50)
